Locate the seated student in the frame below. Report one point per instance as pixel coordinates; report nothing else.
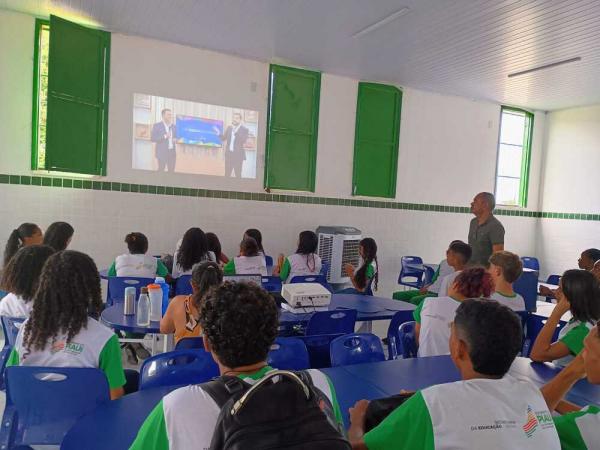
(214, 245)
(579, 292)
(506, 268)
(182, 314)
(304, 262)
(191, 249)
(578, 428)
(136, 263)
(26, 234)
(488, 409)
(458, 256)
(368, 270)
(240, 322)
(432, 290)
(59, 235)
(20, 280)
(60, 331)
(587, 261)
(434, 315)
(250, 262)
(257, 236)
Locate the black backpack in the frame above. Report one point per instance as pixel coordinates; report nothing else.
(287, 412)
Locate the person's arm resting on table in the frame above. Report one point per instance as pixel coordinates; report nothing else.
(555, 390)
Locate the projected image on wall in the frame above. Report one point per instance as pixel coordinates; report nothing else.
(179, 136)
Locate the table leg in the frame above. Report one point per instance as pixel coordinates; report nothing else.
(153, 345)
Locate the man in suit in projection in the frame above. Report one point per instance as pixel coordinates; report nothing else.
(233, 139)
(164, 134)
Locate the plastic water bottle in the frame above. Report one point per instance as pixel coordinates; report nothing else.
(143, 308)
(155, 293)
(165, 293)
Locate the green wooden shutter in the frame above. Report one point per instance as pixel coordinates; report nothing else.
(78, 73)
(376, 140)
(293, 121)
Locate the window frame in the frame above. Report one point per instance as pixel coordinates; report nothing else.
(35, 117)
(525, 156)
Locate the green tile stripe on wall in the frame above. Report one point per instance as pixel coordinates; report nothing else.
(76, 183)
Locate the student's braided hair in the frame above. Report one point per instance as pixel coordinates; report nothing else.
(369, 247)
(68, 292)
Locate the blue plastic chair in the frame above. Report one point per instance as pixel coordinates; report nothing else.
(117, 285)
(271, 283)
(10, 328)
(289, 353)
(411, 272)
(40, 409)
(394, 341)
(318, 349)
(357, 348)
(190, 343)
(530, 262)
(406, 335)
(325, 269)
(178, 367)
(3, 294)
(183, 285)
(527, 286)
(322, 280)
(331, 322)
(268, 261)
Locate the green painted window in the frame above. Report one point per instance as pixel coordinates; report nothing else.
(70, 104)
(292, 128)
(514, 155)
(376, 140)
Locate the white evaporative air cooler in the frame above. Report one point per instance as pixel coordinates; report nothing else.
(338, 246)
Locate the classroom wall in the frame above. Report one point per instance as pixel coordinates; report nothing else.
(447, 155)
(570, 185)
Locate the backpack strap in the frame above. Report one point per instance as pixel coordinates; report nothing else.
(223, 388)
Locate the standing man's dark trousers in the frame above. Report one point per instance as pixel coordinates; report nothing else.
(166, 158)
(233, 161)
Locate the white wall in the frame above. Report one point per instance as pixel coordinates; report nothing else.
(447, 154)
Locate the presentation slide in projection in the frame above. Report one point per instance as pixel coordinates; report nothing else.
(187, 137)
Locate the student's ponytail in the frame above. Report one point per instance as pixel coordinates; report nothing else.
(17, 238)
(370, 255)
(204, 277)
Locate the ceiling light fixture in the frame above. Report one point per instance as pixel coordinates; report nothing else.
(545, 66)
(374, 26)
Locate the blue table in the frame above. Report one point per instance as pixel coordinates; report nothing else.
(114, 318)
(115, 424)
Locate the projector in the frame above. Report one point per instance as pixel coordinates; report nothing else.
(302, 295)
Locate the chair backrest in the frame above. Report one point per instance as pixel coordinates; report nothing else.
(178, 367)
(554, 279)
(406, 334)
(320, 279)
(331, 322)
(289, 353)
(271, 283)
(43, 403)
(325, 268)
(318, 349)
(268, 261)
(356, 348)
(530, 262)
(183, 285)
(428, 276)
(527, 286)
(188, 343)
(117, 285)
(526, 343)
(406, 271)
(10, 327)
(393, 337)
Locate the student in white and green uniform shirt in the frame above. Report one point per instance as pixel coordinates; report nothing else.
(61, 307)
(487, 409)
(365, 277)
(434, 315)
(186, 418)
(416, 296)
(577, 294)
(136, 263)
(20, 279)
(578, 428)
(249, 262)
(304, 262)
(506, 268)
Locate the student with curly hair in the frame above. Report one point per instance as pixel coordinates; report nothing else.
(191, 249)
(434, 315)
(61, 330)
(59, 235)
(20, 280)
(240, 322)
(136, 263)
(22, 236)
(182, 315)
(304, 262)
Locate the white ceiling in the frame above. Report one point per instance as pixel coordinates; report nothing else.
(461, 47)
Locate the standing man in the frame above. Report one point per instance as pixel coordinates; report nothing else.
(486, 233)
(164, 134)
(234, 137)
